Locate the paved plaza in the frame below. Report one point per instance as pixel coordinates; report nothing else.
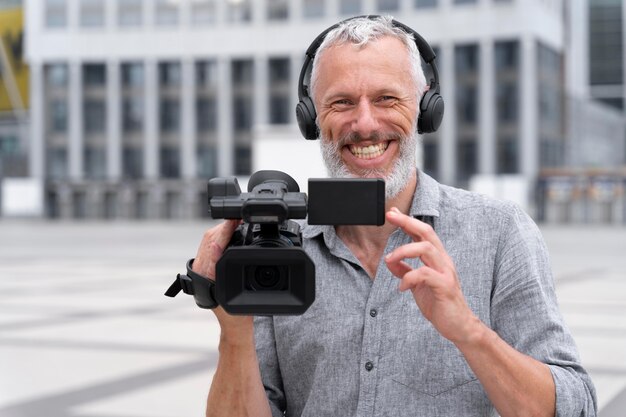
(85, 330)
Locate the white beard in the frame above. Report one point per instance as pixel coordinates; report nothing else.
(395, 181)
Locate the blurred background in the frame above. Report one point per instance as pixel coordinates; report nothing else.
(114, 113)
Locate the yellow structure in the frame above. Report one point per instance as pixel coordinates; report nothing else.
(14, 72)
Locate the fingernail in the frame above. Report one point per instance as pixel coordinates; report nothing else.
(388, 256)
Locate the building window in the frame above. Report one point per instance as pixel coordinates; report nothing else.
(606, 45)
(95, 162)
(169, 74)
(56, 75)
(243, 160)
(57, 109)
(349, 7)
(129, 13)
(466, 59)
(132, 114)
(207, 161)
(91, 13)
(242, 72)
(313, 8)
(277, 9)
(170, 162)
(132, 162)
(279, 90)
(431, 158)
(94, 75)
(507, 55)
(550, 106)
(132, 75)
(239, 10)
(467, 104)
(206, 74)
(466, 159)
(203, 12)
(388, 5)
(425, 4)
(242, 117)
(56, 13)
(507, 156)
(56, 162)
(170, 115)
(206, 114)
(94, 116)
(465, 1)
(166, 12)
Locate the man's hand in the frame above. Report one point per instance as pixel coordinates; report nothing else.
(213, 244)
(434, 285)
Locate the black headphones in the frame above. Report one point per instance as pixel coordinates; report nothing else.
(431, 105)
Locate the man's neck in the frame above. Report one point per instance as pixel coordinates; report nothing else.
(367, 243)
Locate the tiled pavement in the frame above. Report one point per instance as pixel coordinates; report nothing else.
(85, 330)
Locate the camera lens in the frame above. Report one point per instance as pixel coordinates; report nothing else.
(267, 276)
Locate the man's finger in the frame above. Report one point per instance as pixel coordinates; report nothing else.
(398, 268)
(418, 230)
(426, 251)
(422, 276)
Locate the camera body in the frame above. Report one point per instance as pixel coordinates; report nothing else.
(264, 270)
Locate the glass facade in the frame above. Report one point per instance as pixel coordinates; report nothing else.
(466, 70)
(350, 7)
(55, 13)
(277, 9)
(129, 13)
(169, 118)
(242, 76)
(166, 12)
(387, 5)
(132, 119)
(507, 72)
(313, 8)
(94, 120)
(57, 120)
(280, 108)
(91, 13)
(239, 10)
(550, 107)
(203, 12)
(206, 118)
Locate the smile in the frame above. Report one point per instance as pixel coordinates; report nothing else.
(369, 152)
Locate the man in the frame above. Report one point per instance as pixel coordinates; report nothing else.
(459, 319)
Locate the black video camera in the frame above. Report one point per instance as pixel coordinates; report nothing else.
(264, 270)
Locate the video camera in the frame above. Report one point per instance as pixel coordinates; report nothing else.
(264, 270)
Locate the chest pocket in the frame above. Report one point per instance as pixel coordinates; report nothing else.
(426, 362)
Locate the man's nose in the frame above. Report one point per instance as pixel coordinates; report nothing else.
(365, 121)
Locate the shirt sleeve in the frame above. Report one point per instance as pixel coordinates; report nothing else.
(268, 364)
(525, 313)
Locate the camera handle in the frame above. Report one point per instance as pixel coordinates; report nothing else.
(202, 288)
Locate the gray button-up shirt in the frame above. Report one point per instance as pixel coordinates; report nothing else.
(364, 349)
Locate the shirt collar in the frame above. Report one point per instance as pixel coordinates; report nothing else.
(425, 203)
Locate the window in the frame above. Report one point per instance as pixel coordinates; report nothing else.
(424, 4)
(239, 10)
(466, 159)
(166, 12)
(465, 1)
(203, 12)
(91, 13)
(170, 162)
(606, 43)
(207, 161)
(94, 75)
(279, 91)
(506, 101)
(58, 116)
(95, 162)
(132, 75)
(507, 55)
(169, 74)
(56, 13)
(170, 115)
(242, 117)
(94, 116)
(56, 75)
(132, 162)
(388, 5)
(277, 9)
(313, 8)
(507, 159)
(206, 74)
(431, 158)
(466, 58)
(243, 160)
(467, 104)
(56, 162)
(206, 114)
(350, 7)
(132, 114)
(129, 13)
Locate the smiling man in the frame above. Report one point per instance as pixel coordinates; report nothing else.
(448, 309)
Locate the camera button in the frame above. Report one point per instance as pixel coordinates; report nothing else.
(373, 312)
(369, 366)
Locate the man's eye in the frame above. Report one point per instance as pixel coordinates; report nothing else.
(386, 98)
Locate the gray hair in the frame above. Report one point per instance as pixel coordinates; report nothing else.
(362, 30)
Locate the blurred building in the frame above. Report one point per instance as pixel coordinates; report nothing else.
(13, 92)
(135, 103)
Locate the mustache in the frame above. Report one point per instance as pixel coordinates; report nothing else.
(354, 138)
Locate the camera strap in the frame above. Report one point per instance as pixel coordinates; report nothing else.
(202, 288)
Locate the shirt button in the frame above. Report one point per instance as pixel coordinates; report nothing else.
(373, 312)
(369, 366)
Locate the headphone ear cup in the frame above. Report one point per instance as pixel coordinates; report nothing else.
(306, 116)
(431, 112)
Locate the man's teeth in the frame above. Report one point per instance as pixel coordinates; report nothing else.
(369, 152)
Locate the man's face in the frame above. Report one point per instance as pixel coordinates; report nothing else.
(366, 99)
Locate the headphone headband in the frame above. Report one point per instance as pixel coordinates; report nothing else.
(431, 104)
